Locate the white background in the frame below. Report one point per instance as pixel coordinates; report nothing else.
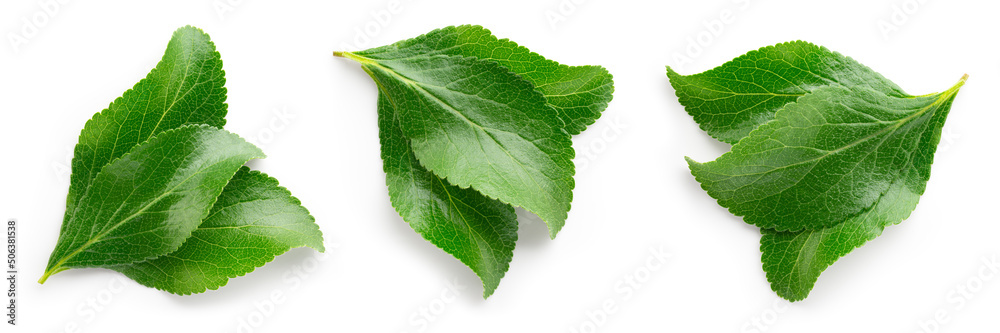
(634, 194)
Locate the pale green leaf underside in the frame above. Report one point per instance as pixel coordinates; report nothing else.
(474, 123)
(578, 93)
(253, 221)
(146, 203)
(479, 231)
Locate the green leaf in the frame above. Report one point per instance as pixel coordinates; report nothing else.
(149, 169)
(826, 154)
(146, 203)
(826, 157)
(471, 126)
(578, 93)
(477, 230)
(731, 100)
(185, 87)
(474, 123)
(253, 221)
(794, 260)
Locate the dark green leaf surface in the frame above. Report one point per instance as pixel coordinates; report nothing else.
(824, 158)
(479, 231)
(823, 146)
(475, 124)
(149, 167)
(794, 260)
(147, 203)
(471, 126)
(253, 221)
(731, 100)
(579, 93)
(186, 87)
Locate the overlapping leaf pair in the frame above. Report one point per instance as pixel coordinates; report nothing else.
(471, 126)
(159, 191)
(826, 152)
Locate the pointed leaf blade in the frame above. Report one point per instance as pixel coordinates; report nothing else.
(473, 123)
(253, 221)
(578, 93)
(479, 231)
(826, 157)
(731, 100)
(185, 87)
(146, 203)
(793, 261)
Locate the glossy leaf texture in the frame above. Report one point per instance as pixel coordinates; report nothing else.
(824, 158)
(472, 126)
(253, 221)
(479, 231)
(731, 100)
(147, 203)
(793, 261)
(579, 93)
(825, 173)
(155, 184)
(185, 87)
(475, 124)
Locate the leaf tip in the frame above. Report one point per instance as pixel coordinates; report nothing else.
(318, 246)
(691, 162)
(487, 291)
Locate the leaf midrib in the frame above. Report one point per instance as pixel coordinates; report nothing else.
(168, 109)
(142, 210)
(369, 62)
(474, 235)
(899, 123)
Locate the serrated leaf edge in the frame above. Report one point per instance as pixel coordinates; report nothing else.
(49, 271)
